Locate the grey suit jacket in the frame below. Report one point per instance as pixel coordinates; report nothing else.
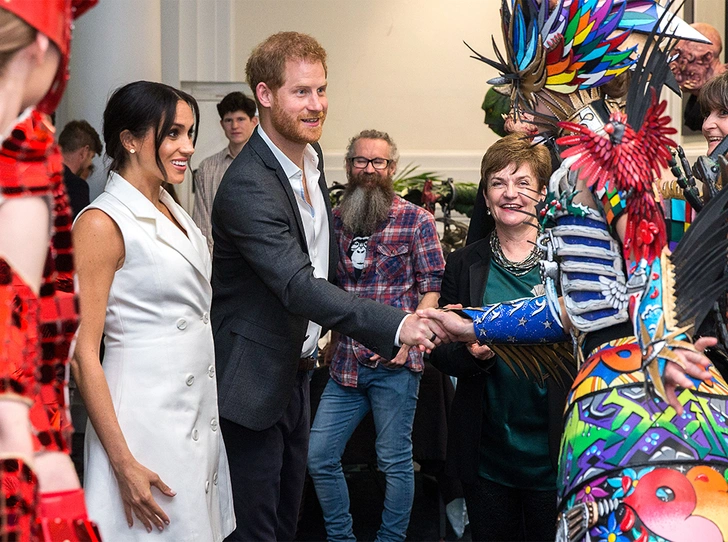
(264, 291)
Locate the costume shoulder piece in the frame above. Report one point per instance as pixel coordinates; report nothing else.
(29, 159)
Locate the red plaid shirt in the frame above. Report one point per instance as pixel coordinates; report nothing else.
(403, 261)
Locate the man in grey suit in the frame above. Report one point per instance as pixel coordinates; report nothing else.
(273, 255)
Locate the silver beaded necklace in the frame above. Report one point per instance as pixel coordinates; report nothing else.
(517, 269)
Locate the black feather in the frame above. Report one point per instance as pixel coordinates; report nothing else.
(700, 259)
(650, 72)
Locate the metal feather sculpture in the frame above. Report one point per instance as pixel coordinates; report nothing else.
(576, 46)
(632, 149)
(628, 158)
(572, 48)
(700, 260)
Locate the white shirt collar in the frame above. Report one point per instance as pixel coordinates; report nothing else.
(289, 168)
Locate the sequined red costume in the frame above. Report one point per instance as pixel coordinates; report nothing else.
(37, 331)
(36, 334)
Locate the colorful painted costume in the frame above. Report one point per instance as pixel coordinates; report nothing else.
(630, 467)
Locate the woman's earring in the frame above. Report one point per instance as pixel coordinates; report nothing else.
(487, 210)
(132, 151)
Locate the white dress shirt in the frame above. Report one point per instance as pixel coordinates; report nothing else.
(313, 216)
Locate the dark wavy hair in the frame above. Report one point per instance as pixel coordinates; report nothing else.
(137, 107)
(236, 101)
(714, 95)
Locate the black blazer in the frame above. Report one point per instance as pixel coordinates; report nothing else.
(264, 291)
(466, 274)
(78, 191)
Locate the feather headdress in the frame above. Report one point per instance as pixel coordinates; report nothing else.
(579, 45)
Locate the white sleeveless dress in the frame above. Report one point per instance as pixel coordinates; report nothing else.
(160, 367)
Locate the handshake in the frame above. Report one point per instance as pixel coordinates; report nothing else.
(429, 328)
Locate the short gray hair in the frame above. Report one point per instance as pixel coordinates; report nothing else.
(373, 134)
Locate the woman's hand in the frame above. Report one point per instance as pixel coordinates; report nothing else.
(135, 482)
(696, 364)
(480, 351)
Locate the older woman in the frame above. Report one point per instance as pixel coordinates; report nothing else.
(503, 424)
(155, 456)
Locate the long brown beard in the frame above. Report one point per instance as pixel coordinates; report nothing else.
(363, 206)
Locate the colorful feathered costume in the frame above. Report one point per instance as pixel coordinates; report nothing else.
(630, 467)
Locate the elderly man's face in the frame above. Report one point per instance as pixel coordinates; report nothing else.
(695, 64)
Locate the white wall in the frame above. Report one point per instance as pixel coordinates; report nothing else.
(712, 12)
(116, 42)
(394, 65)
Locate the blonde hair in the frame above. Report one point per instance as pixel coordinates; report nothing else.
(15, 34)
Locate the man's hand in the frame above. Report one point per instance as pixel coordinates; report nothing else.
(326, 355)
(455, 326)
(423, 333)
(399, 360)
(696, 364)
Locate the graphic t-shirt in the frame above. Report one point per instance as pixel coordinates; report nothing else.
(357, 253)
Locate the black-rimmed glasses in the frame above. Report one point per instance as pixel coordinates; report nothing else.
(360, 162)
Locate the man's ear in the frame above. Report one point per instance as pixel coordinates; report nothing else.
(254, 120)
(264, 95)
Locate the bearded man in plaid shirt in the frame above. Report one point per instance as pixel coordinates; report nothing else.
(388, 251)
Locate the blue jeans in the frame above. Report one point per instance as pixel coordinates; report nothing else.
(391, 395)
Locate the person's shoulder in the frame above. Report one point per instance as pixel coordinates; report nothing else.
(73, 181)
(96, 219)
(401, 205)
(477, 250)
(213, 159)
(419, 215)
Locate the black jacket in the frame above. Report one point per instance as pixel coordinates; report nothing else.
(466, 274)
(78, 191)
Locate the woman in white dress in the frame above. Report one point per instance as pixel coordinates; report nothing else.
(155, 459)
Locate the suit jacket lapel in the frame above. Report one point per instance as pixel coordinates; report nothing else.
(478, 273)
(188, 245)
(265, 154)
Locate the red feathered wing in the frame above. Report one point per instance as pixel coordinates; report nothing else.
(631, 164)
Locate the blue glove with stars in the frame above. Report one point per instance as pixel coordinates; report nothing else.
(521, 321)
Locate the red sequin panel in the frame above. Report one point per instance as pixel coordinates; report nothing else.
(30, 165)
(18, 501)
